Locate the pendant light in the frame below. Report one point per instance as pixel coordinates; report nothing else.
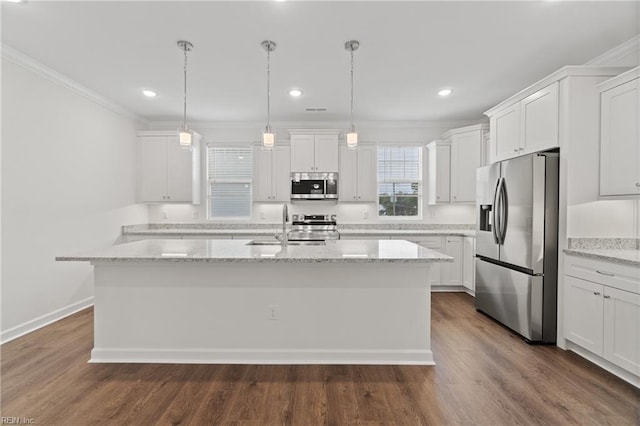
(268, 138)
(185, 135)
(352, 135)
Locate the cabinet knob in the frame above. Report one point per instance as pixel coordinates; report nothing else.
(516, 150)
(607, 297)
(454, 197)
(638, 184)
(596, 293)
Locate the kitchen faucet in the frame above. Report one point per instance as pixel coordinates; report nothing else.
(284, 239)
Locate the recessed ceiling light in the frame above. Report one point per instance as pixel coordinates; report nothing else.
(16, 1)
(445, 92)
(295, 92)
(149, 93)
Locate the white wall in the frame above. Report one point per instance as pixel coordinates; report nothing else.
(246, 133)
(68, 184)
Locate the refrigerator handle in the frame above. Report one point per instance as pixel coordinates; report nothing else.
(496, 216)
(504, 207)
(494, 213)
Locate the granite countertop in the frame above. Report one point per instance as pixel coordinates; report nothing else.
(187, 230)
(347, 251)
(617, 250)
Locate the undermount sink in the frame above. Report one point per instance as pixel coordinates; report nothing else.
(291, 243)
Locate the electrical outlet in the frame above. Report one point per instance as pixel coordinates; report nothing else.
(272, 312)
(365, 214)
(164, 214)
(196, 215)
(262, 216)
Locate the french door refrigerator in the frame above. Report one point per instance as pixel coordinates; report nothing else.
(517, 244)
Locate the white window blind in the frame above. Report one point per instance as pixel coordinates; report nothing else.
(229, 172)
(399, 181)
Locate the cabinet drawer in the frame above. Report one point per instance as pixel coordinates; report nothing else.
(428, 242)
(623, 277)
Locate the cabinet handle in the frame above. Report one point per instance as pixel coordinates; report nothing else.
(607, 297)
(520, 149)
(596, 293)
(516, 150)
(605, 273)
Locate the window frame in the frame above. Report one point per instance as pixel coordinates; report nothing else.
(209, 148)
(421, 184)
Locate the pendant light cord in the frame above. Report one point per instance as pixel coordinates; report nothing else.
(268, 90)
(184, 120)
(352, 129)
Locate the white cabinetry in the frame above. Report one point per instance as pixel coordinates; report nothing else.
(603, 311)
(168, 172)
(620, 137)
(314, 150)
(445, 276)
(271, 178)
(453, 161)
(526, 126)
(439, 171)
(357, 174)
(469, 264)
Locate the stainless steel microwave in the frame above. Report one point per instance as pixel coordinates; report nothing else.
(314, 186)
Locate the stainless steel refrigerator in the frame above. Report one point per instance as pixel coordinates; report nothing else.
(517, 244)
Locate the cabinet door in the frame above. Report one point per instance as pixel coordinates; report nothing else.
(437, 244)
(367, 179)
(584, 314)
(326, 153)
(153, 169)
(622, 329)
(262, 174)
(505, 133)
(180, 172)
(540, 114)
(468, 263)
(281, 183)
(465, 159)
(348, 174)
(620, 140)
(439, 174)
(452, 272)
(302, 153)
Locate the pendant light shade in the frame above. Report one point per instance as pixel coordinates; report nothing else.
(352, 136)
(185, 135)
(268, 138)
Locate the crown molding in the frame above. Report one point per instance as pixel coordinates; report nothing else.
(50, 74)
(621, 51)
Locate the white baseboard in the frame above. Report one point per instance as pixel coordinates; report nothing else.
(263, 356)
(34, 324)
(603, 363)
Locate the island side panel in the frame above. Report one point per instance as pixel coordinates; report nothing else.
(327, 313)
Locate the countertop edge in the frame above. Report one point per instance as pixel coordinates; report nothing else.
(599, 255)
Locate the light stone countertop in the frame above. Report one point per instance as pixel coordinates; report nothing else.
(196, 232)
(621, 256)
(185, 250)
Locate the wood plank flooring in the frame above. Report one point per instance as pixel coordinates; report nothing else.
(485, 375)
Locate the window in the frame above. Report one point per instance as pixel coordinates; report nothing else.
(399, 181)
(229, 172)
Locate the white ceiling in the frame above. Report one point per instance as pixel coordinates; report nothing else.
(485, 51)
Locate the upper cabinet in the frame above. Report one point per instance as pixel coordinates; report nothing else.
(452, 165)
(271, 173)
(314, 150)
(619, 136)
(168, 173)
(526, 126)
(357, 174)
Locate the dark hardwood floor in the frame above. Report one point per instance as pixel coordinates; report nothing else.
(485, 375)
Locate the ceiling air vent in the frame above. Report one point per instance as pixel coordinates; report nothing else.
(315, 109)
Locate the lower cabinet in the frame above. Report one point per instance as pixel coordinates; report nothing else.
(444, 276)
(603, 310)
(469, 264)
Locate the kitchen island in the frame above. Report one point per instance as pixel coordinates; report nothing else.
(226, 301)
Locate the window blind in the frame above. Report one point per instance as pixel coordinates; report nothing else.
(399, 181)
(229, 172)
